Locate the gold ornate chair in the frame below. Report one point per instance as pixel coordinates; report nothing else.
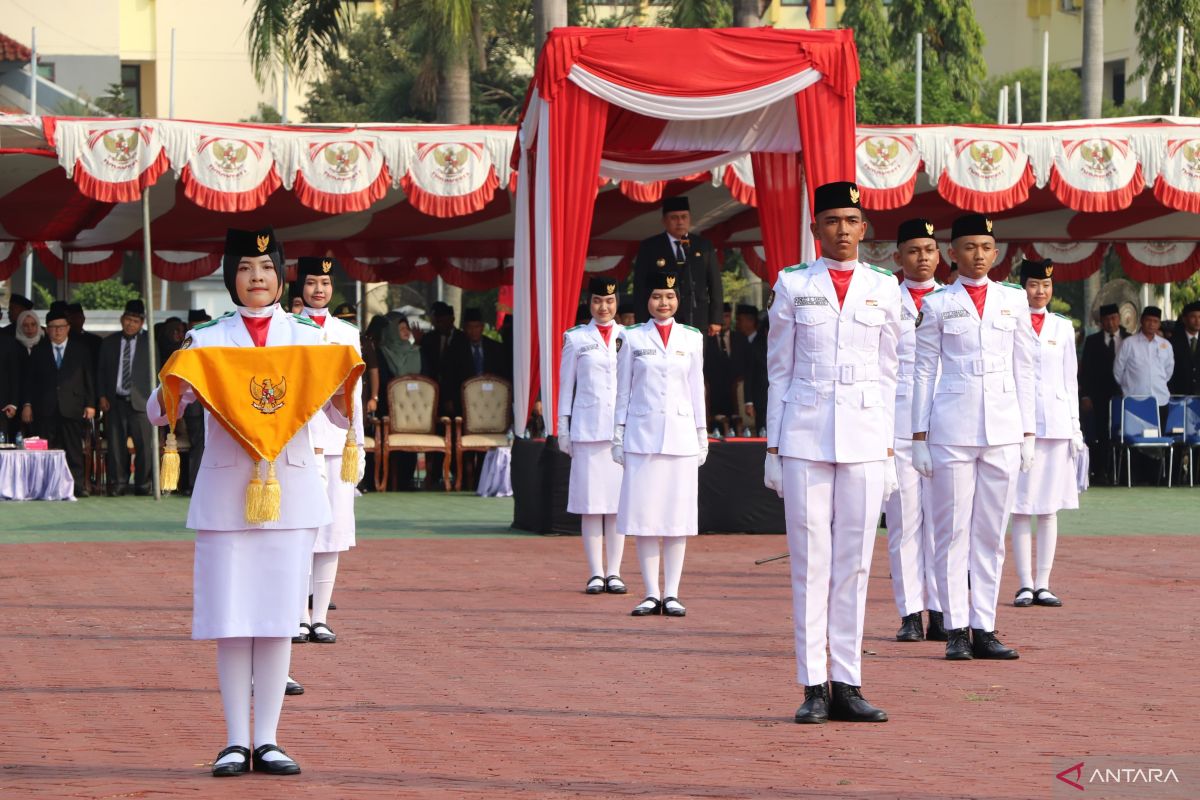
(411, 425)
(487, 416)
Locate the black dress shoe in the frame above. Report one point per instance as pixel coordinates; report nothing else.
(293, 688)
(910, 629)
(232, 768)
(958, 645)
(285, 766)
(984, 644)
(1045, 597)
(1024, 598)
(935, 631)
(304, 635)
(614, 585)
(816, 706)
(848, 705)
(595, 585)
(648, 607)
(671, 607)
(321, 634)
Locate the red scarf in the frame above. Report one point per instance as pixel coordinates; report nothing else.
(258, 327)
(841, 283)
(664, 331)
(319, 320)
(1038, 321)
(918, 295)
(978, 296)
(606, 332)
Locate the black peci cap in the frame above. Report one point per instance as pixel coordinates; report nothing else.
(240, 244)
(1036, 270)
(602, 286)
(663, 280)
(677, 203)
(919, 228)
(972, 225)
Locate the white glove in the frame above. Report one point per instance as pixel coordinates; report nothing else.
(1077, 444)
(564, 435)
(922, 462)
(773, 473)
(618, 445)
(320, 457)
(362, 464)
(702, 440)
(891, 482)
(1027, 454)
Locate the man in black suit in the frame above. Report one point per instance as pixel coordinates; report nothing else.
(124, 379)
(750, 360)
(438, 348)
(481, 355)
(12, 362)
(1186, 342)
(720, 373)
(59, 393)
(17, 305)
(676, 249)
(1097, 386)
(76, 317)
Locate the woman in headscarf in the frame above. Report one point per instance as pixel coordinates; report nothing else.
(400, 355)
(29, 330)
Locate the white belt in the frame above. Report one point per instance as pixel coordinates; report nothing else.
(976, 366)
(841, 373)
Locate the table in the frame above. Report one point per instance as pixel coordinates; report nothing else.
(35, 475)
(732, 498)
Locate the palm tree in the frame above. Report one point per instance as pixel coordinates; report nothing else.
(1093, 58)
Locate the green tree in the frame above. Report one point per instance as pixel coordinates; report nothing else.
(872, 33)
(109, 294)
(1156, 26)
(265, 113)
(698, 14)
(1063, 97)
(952, 46)
(115, 103)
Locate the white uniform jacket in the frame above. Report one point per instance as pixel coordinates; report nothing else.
(587, 381)
(832, 373)
(326, 435)
(1143, 367)
(907, 353)
(985, 394)
(1056, 366)
(660, 390)
(218, 498)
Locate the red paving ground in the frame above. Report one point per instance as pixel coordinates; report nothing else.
(476, 668)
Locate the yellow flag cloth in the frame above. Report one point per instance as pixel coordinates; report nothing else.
(262, 396)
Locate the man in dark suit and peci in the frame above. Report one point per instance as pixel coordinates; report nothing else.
(59, 393)
(1186, 341)
(678, 250)
(124, 379)
(1097, 386)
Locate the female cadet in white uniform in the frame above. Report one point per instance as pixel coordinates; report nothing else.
(316, 287)
(250, 581)
(660, 439)
(1051, 484)
(587, 396)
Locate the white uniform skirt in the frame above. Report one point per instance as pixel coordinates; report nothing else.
(658, 495)
(250, 583)
(595, 479)
(1051, 485)
(339, 535)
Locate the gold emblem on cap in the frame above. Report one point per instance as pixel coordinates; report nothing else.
(263, 243)
(670, 281)
(854, 194)
(610, 288)
(988, 223)
(929, 228)
(1049, 271)
(326, 265)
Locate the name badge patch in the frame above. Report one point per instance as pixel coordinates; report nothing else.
(810, 301)
(586, 348)
(905, 314)
(646, 352)
(680, 353)
(955, 313)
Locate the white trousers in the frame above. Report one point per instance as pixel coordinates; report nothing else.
(973, 493)
(832, 515)
(910, 538)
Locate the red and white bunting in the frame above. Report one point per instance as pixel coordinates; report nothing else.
(450, 179)
(1159, 262)
(229, 172)
(887, 169)
(184, 265)
(878, 254)
(986, 174)
(336, 174)
(1073, 261)
(112, 161)
(10, 258)
(1178, 184)
(79, 266)
(1096, 174)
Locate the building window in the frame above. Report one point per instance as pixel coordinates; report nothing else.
(1118, 83)
(131, 85)
(46, 71)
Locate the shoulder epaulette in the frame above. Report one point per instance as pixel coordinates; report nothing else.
(346, 322)
(882, 271)
(212, 322)
(797, 267)
(939, 289)
(304, 320)
(1012, 285)
(577, 327)
(1064, 316)
(631, 327)
(690, 328)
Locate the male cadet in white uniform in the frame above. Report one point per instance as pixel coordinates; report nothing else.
(1145, 361)
(909, 518)
(832, 367)
(974, 431)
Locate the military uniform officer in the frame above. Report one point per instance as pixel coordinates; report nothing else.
(692, 260)
(909, 519)
(1051, 484)
(832, 368)
(973, 428)
(587, 398)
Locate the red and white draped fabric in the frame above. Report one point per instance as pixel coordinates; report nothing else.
(1159, 262)
(79, 266)
(1073, 261)
(184, 265)
(111, 160)
(650, 104)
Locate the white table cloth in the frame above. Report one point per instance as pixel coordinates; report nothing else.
(35, 475)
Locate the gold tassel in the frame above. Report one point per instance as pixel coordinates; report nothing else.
(350, 458)
(271, 496)
(169, 473)
(254, 495)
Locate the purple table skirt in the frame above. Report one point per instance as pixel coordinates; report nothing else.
(35, 475)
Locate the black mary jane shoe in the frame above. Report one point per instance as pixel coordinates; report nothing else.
(1045, 597)
(595, 585)
(816, 706)
(671, 607)
(614, 585)
(1024, 598)
(232, 768)
(321, 634)
(648, 607)
(305, 634)
(293, 688)
(284, 766)
(910, 629)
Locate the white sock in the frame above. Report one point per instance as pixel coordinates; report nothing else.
(1047, 541)
(306, 614)
(673, 549)
(271, 660)
(593, 543)
(324, 572)
(614, 545)
(233, 676)
(1022, 551)
(649, 549)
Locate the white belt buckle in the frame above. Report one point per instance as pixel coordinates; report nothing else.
(978, 366)
(846, 373)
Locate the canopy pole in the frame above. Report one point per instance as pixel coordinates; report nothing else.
(163, 286)
(148, 284)
(33, 76)
(1178, 70)
(920, 76)
(358, 302)
(1019, 114)
(1045, 74)
(283, 107)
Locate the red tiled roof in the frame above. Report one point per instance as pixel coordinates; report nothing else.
(12, 50)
